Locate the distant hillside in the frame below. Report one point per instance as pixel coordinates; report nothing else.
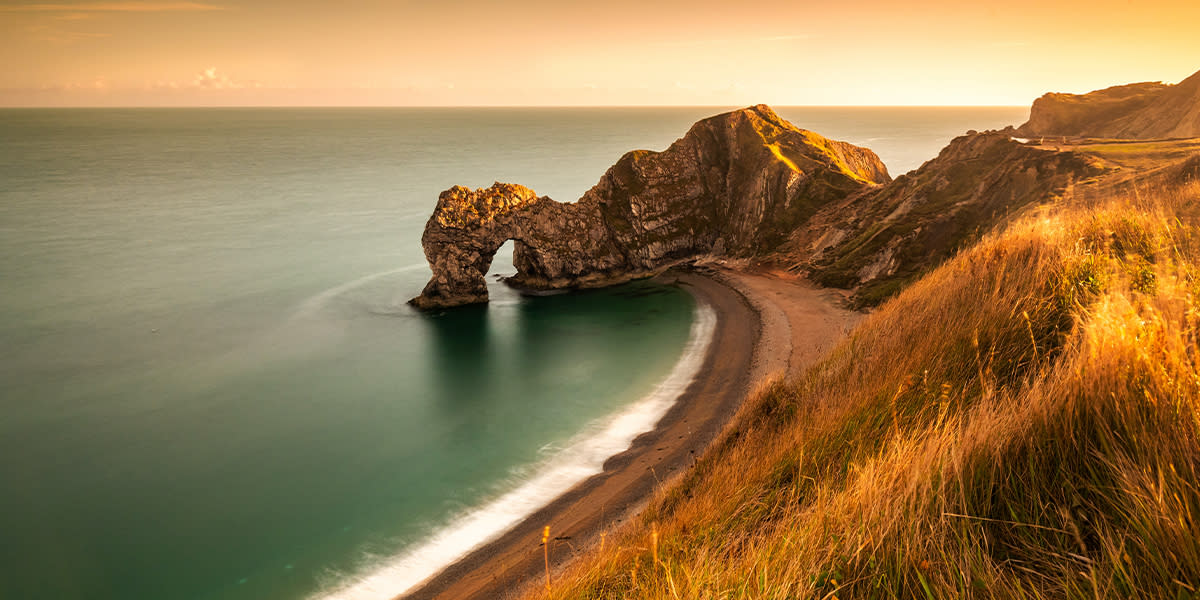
(878, 241)
(1134, 111)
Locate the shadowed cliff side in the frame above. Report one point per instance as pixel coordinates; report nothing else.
(737, 184)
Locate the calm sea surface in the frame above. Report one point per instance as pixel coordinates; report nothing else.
(210, 385)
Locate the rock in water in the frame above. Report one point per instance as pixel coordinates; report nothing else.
(736, 184)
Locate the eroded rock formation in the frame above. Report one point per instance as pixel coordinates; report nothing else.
(1134, 111)
(737, 184)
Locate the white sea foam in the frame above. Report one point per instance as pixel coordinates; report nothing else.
(581, 458)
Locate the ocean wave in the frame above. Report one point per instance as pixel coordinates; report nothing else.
(583, 456)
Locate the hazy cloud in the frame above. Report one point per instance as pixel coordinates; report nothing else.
(98, 84)
(210, 79)
(113, 7)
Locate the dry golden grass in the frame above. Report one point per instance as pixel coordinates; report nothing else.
(1022, 422)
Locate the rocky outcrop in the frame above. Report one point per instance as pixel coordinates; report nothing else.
(1135, 111)
(879, 240)
(737, 184)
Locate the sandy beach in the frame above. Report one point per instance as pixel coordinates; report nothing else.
(768, 325)
(802, 321)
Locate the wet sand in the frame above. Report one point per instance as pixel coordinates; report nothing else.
(768, 325)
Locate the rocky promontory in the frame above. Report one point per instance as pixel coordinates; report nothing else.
(1135, 111)
(877, 241)
(736, 185)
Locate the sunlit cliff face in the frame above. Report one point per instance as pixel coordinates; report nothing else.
(537, 52)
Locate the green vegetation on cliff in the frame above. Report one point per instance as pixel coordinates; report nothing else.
(1021, 422)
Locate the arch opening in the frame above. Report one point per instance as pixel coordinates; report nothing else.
(503, 263)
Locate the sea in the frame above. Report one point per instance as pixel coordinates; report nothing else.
(211, 385)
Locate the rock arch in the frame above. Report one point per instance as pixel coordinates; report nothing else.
(555, 244)
(737, 183)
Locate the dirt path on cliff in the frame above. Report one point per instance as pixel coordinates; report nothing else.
(767, 324)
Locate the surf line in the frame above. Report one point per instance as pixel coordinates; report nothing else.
(582, 457)
(316, 302)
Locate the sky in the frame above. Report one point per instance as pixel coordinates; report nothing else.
(591, 53)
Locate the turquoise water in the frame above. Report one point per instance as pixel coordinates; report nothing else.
(210, 385)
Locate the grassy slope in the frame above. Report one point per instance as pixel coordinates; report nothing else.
(1021, 422)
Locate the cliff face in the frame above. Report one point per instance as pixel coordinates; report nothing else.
(880, 239)
(737, 184)
(1135, 111)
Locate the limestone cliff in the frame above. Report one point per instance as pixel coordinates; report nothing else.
(737, 184)
(878, 240)
(1134, 111)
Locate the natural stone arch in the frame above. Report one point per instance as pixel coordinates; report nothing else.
(461, 240)
(738, 183)
(553, 243)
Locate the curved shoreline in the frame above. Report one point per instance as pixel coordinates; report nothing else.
(498, 568)
(782, 310)
(580, 457)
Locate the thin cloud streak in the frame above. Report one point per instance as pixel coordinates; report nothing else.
(56, 35)
(727, 41)
(114, 7)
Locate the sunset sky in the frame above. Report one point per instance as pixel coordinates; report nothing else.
(606, 52)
